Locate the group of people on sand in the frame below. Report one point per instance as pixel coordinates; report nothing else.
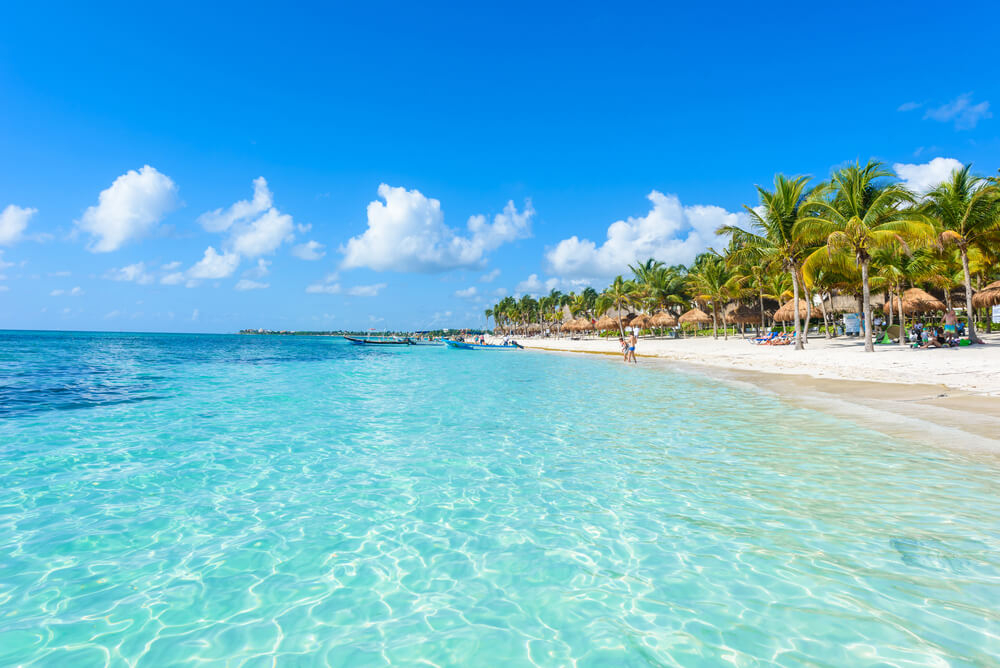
(945, 336)
(628, 348)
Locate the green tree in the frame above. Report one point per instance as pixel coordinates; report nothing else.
(772, 239)
(966, 210)
(862, 210)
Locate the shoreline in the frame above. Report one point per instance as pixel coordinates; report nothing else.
(957, 410)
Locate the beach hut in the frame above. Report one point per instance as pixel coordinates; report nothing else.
(787, 311)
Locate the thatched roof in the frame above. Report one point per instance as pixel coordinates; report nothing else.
(642, 321)
(988, 296)
(606, 323)
(916, 300)
(787, 311)
(664, 319)
(742, 314)
(695, 316)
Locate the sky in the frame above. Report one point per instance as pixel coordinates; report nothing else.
(184, 167)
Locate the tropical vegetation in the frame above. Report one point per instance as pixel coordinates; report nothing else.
(856, 242)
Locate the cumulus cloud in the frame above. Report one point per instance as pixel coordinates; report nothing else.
(534, 285)
(406, 232)
(175, 278)
(221, 220)
(260, 271)
(170, 266)
(247, 284)
(467, 293)
(214, 265)
(255, 227)
(962, 111)
(489, 277)
(129, 209)
(310, 250)
(74, 292)
(670, 232)
(135, 273)
(909, 106)
(13, 221)
(924, 177)
(366, 290)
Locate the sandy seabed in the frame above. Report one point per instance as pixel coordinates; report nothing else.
(950, 396)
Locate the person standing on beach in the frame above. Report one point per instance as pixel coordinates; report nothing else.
(630, 355)
(950, 323)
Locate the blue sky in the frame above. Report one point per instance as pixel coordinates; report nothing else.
(412, 152)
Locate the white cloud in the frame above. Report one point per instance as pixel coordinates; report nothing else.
(194, 314)
(263, 235)
(134, 272)
(310, 250)
(4, 288)
(255, 226)
(909, 106)
(407, 233)
(4, 264)
(60, 274)
(13, 221)
(530, 285)
(246, 284)
(467, 293)
(961, 110)
(214, 265)
(260, 271)
(74, 292)
(500, 292)
(366, 290)
(924, 177)
(490, 276)
(129, 209)
(220, 221)
(329, 286)
(670, 232)
(112, 314)
(173, 279)
(170, 266)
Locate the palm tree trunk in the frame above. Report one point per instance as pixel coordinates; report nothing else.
(762, 325)
(970, 312)
(866, 306)
(822, 307)
(795, 309)
(715, 327)
(809, 309)
(890, 308)
(902, 324)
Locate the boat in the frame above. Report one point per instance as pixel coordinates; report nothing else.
(462, 345)
(358, 341)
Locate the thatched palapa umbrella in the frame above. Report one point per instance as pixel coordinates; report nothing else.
(787, 311)
(642, 321)
(583, 325)
(742, 315)
(664, 319)
(606, 323)
(695, 317)
(916, 300)
(988, 296)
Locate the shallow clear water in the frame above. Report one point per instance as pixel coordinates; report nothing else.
(226, 500)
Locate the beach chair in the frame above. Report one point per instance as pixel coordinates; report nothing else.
(763, 339)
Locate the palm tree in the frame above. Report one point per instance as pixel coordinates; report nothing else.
(772, 239)
(966, 209)
(619, 295)
(861, 211)
(713, 282)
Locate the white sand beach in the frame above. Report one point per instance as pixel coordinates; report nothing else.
(973, 369)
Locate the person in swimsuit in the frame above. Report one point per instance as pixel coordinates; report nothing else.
(630, 357)
(950, 323)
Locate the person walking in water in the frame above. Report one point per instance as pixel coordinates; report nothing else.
(630, 354)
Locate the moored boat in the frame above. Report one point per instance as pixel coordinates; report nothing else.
(379, 342)
(462, 345)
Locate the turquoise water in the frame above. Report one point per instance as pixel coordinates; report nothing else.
(260, 501)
